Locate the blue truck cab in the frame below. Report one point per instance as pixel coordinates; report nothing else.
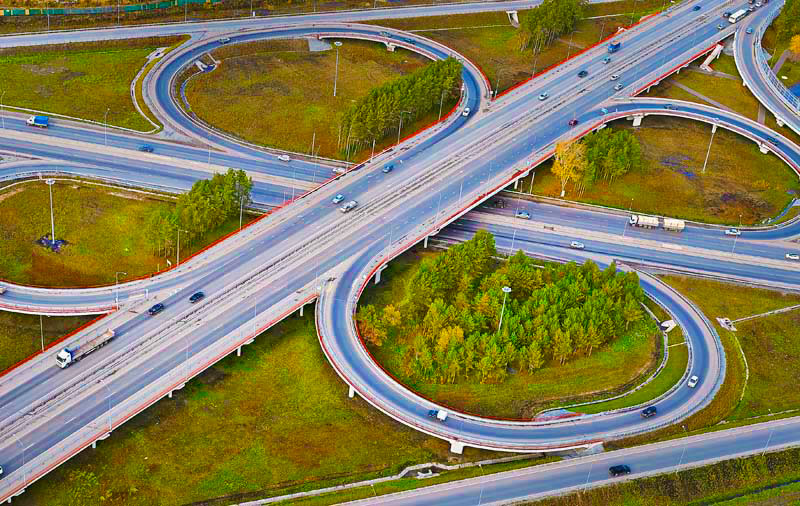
(614, 46)
(39, 121)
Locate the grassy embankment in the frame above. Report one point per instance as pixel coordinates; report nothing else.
(275, 420)
(739, 179)
(21, 334)
(489, 40)
(105, 229)
(521, 395)
(81, 80)
(263, 93)
(732, 482)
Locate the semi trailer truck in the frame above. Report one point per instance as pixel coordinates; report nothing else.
(68, 356)
(674, 225)
(638, 220)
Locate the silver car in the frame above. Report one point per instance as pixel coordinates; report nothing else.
(349, 206)
(792, 256)
(577, 245)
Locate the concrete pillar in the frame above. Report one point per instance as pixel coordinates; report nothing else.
(238, 354)
(390, 47)
(516, 183)
(94, 444)
(425, 243)
(351, 393)
(779, 121)
(513, 18)
(378, 273)
(763, 148)
(637, 119)
(169, 395)
(713, 128)
(456, 447)
(301, 309)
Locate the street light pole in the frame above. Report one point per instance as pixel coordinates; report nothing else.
(178, 257)
(686, 443)
(400, 125)
(737, 236)
(116, 284)
(2, 114)
(50, 183)
(506, 291)
(713, 131)
(105, 127)
(41, 330)
(625, 225)
(336, 73)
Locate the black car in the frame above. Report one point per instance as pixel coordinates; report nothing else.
(649, 411)
(726, 14)
(619, 470)
(196, 297)
(696, 8)
(573, 122)
(670, 107)
(156, 309)
(583, 73)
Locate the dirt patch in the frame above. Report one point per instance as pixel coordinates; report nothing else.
(211, 376)
(11, 193)
(130, 196)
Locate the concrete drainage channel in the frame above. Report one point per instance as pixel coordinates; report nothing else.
(418, 471)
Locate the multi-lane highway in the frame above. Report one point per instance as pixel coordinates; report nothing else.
(309, 249)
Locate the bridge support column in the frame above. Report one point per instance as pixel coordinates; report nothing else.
(779, 121)
(425, 242)
(351, 393)
(513, 18)
(390, 47)
(637, 119)
(301, 309)
(239, 351)
(378, 273)
(456, 447)
(763, 148)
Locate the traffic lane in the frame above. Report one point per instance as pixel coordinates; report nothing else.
(790, 275)
(592, 471)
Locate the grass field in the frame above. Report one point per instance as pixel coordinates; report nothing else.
(275, 420)
(21, 335)
(769, 388)
(257, 90)
(82, 80)
(104, 228)
(521, 395)
(731, 482)
(739, 179)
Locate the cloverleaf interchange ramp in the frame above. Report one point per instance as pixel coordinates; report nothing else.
(309, 248)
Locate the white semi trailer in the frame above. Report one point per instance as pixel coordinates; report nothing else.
(68, 356)
(638, 220)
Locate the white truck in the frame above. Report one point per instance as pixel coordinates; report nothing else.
(2, 290)
(638, 220)
(68, 356)
(674, 225)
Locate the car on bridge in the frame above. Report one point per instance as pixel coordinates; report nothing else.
(606, 59)
(618, 87)
(543, 96)
(692, 382)
(438, 414)
(748, 31)
(619, 470)
(156, 309)
(614, 77)
(338, 198)
(720, 26)
(733, 232)
(696, 8)
(349, 206)
(792, 256)
(573, 122)
(523, 215)
(2, 290)
(577, 245)
(284, 158)
(224, 40)
(726, 14)
(146, 148)
(583, 73)
(388, 168)
(196, 297)
(649, 411)
(670, 107)
(466, 112)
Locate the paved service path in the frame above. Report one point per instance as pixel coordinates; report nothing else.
(701, 96)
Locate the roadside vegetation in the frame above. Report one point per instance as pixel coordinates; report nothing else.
(731, 482)
(21, 334)
(275, 420)
(83, 80)
(739, 182)
(565, 330)
(106, 230)
(261, 92)
(763, 343)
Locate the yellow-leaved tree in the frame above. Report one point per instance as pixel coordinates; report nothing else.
(570, 162)
(794, 45)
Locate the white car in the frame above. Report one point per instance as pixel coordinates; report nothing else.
(614, 77)
(349, 206)
(576, 245)
(692, 382)
(543, 96)
(792, 256)
(284, 158)
(524, 215)
(618, 87)
(466, 112)
(733, 231)
(224, 40)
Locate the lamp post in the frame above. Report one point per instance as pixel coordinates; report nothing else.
(506, 291)
(713, 131)
(400, 125)
(625, 225)
(41, 330)
(50, 183)
(2, 115)
(105, 126)
(178, 257)
(336, 73)
(116, 284)
(737, 236)
(686, 443)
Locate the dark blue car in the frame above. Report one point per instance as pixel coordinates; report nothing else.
(156, 309)
(196, 297)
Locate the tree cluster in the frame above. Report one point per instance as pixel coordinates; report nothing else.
(604, 155)
(548, 21)
(380, 113)
(787, 23)
(202, 209)
(450, 317)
